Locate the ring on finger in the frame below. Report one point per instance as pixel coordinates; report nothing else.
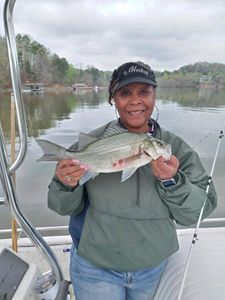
(68, 178)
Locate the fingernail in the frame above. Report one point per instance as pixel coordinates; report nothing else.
(85, 167)
(76, 161)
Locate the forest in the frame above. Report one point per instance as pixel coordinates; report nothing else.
(39, 64)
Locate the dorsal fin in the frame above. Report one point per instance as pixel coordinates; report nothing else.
(113, 129)
(85, 139)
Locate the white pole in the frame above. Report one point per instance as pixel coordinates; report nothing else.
(195, 235)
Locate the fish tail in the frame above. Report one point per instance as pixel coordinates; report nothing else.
(52, 152)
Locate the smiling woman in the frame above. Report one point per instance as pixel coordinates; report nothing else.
(124, 232)
(135, 103)
(132, 89)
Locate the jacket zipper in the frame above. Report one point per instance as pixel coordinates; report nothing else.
(138, 187)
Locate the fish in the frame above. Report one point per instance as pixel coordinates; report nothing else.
(123, 151)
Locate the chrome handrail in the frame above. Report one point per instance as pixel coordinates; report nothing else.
(16, 82)
(6, 170)
(46, 228)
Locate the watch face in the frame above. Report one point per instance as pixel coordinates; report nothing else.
(168, 182)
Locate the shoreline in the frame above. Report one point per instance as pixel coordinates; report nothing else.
(59, 88)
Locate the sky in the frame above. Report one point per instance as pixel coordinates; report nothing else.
(166, 34)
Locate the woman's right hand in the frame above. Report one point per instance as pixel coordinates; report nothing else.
(69, 171)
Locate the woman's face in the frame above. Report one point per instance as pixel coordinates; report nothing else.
(135, 103)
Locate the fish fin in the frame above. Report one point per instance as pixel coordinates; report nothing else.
(113, 129)
(51, 151)
(85, 139)
(127, 173)
(87, 176)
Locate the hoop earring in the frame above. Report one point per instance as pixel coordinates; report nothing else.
(157, 113)
(116, 113)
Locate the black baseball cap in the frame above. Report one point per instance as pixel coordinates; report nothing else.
(131, 72)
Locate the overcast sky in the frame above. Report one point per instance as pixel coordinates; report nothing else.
(166, 34)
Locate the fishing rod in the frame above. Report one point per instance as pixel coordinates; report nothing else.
(202, 140)
(195, 235)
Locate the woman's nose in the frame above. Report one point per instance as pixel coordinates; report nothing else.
(135, 98)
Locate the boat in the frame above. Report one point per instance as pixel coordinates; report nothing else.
(33, 88)
(40, 269)
(81, 87)
(205, 280)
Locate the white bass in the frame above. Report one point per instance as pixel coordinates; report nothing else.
(124, 151)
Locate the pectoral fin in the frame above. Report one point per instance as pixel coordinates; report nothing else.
(127, 173)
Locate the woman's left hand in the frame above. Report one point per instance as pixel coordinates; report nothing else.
(165, 169)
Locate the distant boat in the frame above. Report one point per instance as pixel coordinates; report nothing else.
(33, 88)
(82, 86)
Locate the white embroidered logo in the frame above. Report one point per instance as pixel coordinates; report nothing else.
(135, 69)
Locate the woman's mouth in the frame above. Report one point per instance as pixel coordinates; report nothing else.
(136, 112)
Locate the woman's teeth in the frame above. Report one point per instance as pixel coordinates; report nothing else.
(135, 112)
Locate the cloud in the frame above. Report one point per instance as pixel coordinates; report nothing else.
(166, 34)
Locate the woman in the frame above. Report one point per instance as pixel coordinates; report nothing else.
(123, 233)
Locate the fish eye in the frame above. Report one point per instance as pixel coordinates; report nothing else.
(159, 143)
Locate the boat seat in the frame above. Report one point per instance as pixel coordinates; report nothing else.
(206, 274)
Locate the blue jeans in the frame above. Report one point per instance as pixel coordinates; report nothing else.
(93, 283)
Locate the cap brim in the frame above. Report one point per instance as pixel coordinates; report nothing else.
(134, 80)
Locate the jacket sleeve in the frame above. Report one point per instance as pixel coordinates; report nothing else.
(186, 198)
(65, 200)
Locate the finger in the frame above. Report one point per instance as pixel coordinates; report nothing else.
(158, 164)
(67, 166)
(162, 164)
(155, 169)
(70, 181)
(73, 178)
(67, 162)
(67, 170)
(174, 161)
(74, 172)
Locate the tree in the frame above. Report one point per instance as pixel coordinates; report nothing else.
(4, 65)
(60, 67)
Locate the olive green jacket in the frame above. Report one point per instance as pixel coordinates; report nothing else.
(131, 225)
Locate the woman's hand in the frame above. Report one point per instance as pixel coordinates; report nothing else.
(165, 169)
(69, 171)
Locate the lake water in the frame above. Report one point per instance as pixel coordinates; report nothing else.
(196, 115)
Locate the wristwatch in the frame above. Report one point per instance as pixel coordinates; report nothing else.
(168, 182)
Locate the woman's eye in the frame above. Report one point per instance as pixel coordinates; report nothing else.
(144, 92)
(125, 93)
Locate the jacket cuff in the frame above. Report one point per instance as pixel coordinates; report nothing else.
(175, 193)
(64, 187)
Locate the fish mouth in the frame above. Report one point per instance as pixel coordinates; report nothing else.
(146, 153)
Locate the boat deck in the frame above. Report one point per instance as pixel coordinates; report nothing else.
(206, 275)
(205, 279)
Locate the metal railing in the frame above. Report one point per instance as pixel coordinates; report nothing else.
(40, 229)
(5, 167)
(64, 228)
